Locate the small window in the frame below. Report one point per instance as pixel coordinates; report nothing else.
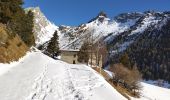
(74, 55)
(74, 62)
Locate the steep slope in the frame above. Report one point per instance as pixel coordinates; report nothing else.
(11, 47)
(147, 44)
(43, 28)
(48, 79)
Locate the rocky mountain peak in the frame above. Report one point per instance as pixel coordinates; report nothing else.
(102, 14)
(100, 17)
(43, 28)
(124, 17)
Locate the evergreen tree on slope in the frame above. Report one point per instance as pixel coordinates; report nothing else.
(53, 46)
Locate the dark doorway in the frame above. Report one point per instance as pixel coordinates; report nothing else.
(74, 62)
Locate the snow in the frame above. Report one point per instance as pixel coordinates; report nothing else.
(146, 22)
(43, 28)
(151, 92)
(106, 27)
(45, 34)
(123, 46)
(111, 74)
(156, 82)
(96, 29)
(7, 67)
(116, 28)
(38, 77)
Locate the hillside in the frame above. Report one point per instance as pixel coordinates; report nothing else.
(11, 48)
(147, 44)
(43, 29)
(16, 30)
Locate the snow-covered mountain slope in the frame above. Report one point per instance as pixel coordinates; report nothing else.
(96, 29)
(38, 77)
(43, 28)
(73, 37)
(147, 44)
(149, 20)
(151, 92)
(127, 25)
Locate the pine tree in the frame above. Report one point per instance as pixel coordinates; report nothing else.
(27, 29)
(53, 46)
(19, 22)
(8, 9)
(83, 54)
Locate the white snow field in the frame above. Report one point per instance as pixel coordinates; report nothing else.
(38, 77)
(151, 92)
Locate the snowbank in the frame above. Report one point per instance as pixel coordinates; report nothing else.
(4, 68)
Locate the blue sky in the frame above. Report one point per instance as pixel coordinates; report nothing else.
(75, 12)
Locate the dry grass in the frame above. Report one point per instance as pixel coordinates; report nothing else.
(11, 49)
(3, 34)
(120, 89)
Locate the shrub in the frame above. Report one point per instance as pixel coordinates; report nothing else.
(130, 79)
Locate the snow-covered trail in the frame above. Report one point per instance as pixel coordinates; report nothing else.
(38, 77)
(16, 82)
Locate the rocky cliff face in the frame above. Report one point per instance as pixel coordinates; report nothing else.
(43, 28)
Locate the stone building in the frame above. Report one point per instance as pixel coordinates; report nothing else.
(69, 56)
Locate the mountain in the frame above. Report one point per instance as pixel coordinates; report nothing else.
(144, 37)
(43, 28)
(73, 37)
(94, 30)
(147, 45)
